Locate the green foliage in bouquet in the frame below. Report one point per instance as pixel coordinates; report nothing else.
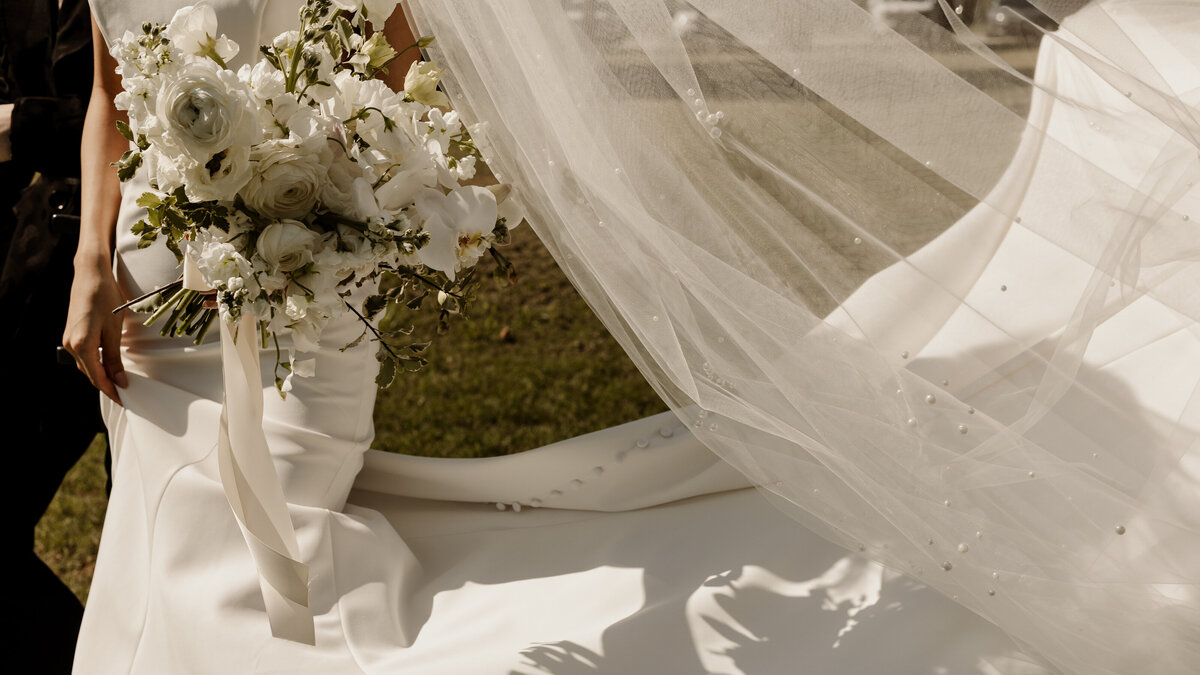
(301, 188)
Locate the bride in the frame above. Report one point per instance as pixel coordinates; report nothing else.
(947, 332)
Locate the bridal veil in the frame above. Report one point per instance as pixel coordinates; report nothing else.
(938, 310)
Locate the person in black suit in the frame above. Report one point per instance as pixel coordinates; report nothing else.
(50, 412)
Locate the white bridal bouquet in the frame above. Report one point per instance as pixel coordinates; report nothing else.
(291, 186)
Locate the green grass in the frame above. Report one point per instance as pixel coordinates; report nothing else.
(557, 374)
(68, 535)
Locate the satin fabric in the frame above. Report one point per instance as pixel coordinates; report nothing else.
(644, 552)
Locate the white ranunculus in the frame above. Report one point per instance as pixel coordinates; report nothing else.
(287, 245)
(421, 84)
(458, 224)
(221, 177)
(287, 179)
(203, 109)
(193, 31)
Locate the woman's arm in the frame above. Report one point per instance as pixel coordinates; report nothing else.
(93, 332)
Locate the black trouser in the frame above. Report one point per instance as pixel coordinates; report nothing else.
(50, 411)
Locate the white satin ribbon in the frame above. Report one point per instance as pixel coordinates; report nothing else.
(251, 483)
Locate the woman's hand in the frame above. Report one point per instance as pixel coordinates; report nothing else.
(93, 332)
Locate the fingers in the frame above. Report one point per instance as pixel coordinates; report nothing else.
(87, 360)
(110, 354)
(95, 363)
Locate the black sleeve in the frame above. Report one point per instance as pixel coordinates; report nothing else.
(46, 130)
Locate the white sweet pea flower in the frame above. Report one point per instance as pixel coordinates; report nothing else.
(347, 5)
(374, 52)
(224, 268)
(192, 31)
(136, 61)
(338, 190)
(286, 246)
(162, 171)
(421, 84)
(273, 103)
(221, 177)
(297, 368)
(296, 307)
(286, 40)
(451, 172)
(378, 11)
(365, 206)
(265, 80)
(203, 109)
(403, 187)
(440, 127)
(458, 224)
(306, 334)
(374, 112)
(288, 177)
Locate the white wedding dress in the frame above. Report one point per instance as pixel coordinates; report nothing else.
(638, 550)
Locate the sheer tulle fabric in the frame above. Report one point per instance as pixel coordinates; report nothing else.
(936, 309)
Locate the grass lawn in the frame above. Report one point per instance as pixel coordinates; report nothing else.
(554, 374)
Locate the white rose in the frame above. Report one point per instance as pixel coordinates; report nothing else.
(221, 177)
(203, 109)
(286, 246)
(191, 31)
(421, 84)
(287, 178)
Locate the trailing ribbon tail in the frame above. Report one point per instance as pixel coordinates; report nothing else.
(252, 485)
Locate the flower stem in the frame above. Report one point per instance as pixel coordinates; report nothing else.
(378, 337)
(208, 320)
(158, 313)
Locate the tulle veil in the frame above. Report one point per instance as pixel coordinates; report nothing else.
(910, 290)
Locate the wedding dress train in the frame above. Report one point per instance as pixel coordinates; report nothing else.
(637, 559)
(631, 550)
(645, 553)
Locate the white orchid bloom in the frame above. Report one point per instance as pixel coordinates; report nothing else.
(458, 224)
